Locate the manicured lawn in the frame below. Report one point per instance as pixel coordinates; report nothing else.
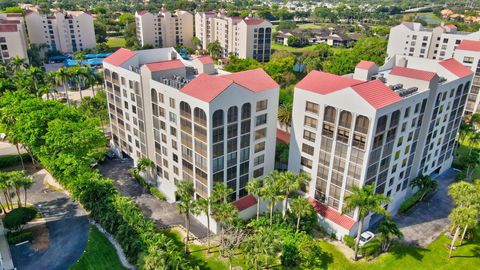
(116, 42)
(463, 150)
(99, 253)
(278, 47)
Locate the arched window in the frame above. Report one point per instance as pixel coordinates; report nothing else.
(361, 125)
(268, 30)
(154, 95)
(395, 118)
(246, 111)
(466, 88)
(381, 124)
(345, 119)
(459, 91)
(200, 117)
(232, 114)
(115, 77)
(330, 114)
(261, 30)
(185, 110)
(107, 74)
(217, 118)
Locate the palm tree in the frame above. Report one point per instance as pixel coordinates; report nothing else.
(144, 164)
(465, 194)
(464, 131)
(37, 76)
(27, 182)
(425, 184)
(16, 63)
(17, 181)
(284, 115)
(196, 42)
(262, 247)
(301, 208)
(474, 119)
(220, 192)
(254, 187)
(78, 73)
(215, 49)
(224, 213)
(203, 206)
(62, 77)
(186, 204)
(91, 78)
(291, 182)
(462, 216)
(390, 232)
(5, 186)
(473, 139)
(366, 202)
(13, 140)
(471, 161)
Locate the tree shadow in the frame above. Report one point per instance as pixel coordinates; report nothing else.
(400, 251)
(475, 253)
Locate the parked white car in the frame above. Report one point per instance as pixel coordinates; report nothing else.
(365, 237)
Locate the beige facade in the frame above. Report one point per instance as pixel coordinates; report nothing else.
(245, 38)
(67, 33)
(13, 40)
(164, 29)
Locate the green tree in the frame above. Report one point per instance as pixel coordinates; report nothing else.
(196, 42)
(16, 64)
(389, 232)
(186, 205)
(126, 18)
(224, 213)
(204, 206)
(284, 115)
(465, 194)
(471, 161)
(100, 32)
(271, 190)
(365, 201)
(255, 188)
(300, 207)
(462, 217)
(236, 64)
(62, 76)
(424, 184)
(146, 165)
(290, 182)
(279, 69)
(262, 248)
(464, 131)
(215, 49)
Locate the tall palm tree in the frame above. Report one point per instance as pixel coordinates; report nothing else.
(291, 182)
(78, 73)
(462, 216)
(91, 78)
(144, 164)
(254, 187)
(301, 208)
(186, 205)
(5, 186)
(465, 194)
(37, 76)
(62, 76)
(284, 115)
(473, 139)
(204, 206)
(464, 131)
(224, 213)
(365, 201)
(271, 190)
(220, 192)
(16, 64)
(390, 232)
(471, 161)
(15, 141)
(262, 247)
(425, 184)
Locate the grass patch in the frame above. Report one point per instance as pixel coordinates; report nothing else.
(279, 47)
(99, 253)
(116, 42)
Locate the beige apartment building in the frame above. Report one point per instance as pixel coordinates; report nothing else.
(66, 32)
(164, 29)
(245, 38)
(13, 41)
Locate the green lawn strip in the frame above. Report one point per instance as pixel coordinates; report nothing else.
(99, 253)
(116, 42)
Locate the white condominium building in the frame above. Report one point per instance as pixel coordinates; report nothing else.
(207, 127)
(13, 40)
(381, 126)
(66, 33)
(164, 29)
(245, 38)
(412, 39)
(468, 53)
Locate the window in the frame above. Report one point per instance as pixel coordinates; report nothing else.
(311, 122)
(330, 114)
(185, 110)
(258, 160)
(345, 119)
(246, 111)
(259, 147)
(361, 125)
(308, 149)
(261, 133)
(311, 107)
(306, 162)
(261, 119)
(258, 172)
(172, 103)
(200, 117)
(232, 114)
(310, 136)
(262, 105)
(217, 118)
(468, 60)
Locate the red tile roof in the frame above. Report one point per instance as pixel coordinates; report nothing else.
(245, 202)
(283, 136)
(255, 80)
(365, 64)
(455, 67)
(142, 12)
(253, 21)
(332, 215)
(164, 65)
(450, 26)
(14, 15)
(205, 59)
(119, 57)
(8, 28)
(325, 83)
(376, 93)
(206, 87)
(413, 73)
(469, 45)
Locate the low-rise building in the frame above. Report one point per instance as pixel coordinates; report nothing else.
(13, 39)
(468, 53)
(209, 127)
(380, 126)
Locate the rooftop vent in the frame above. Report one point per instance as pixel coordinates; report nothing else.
(396, 86)
(442, 79)
(406, 92)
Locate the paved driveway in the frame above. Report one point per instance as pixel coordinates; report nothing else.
(429, 219)
(161, 212)
(67, 226)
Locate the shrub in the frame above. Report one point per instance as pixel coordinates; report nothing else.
(157, 193)
(19, 217)
(289, 256)
(409, 203)
(371, 249)
(8, 161)
(349, 241)
(462, 175)
(19, 237)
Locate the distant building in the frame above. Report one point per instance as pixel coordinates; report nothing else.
(468, 53)
(381, 126)
(192, 121)
(164, 29)
(66, 32)
(13, 39)
(245, 38)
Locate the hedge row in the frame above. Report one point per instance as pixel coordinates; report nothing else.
(19, 237)
(409, 203)
(8, 161)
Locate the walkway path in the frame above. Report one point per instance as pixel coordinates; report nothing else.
(164, 214)
(67, 224)
(428, 219)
